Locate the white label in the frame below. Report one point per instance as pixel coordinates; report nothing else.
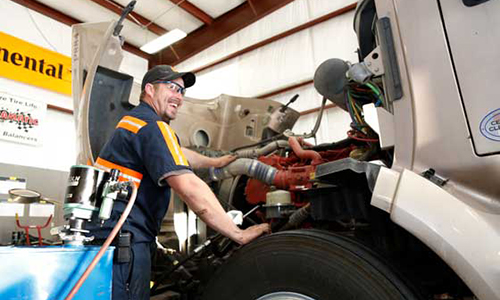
(41, 210)
(10, 209)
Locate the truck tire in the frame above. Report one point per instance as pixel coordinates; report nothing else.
(306, 265)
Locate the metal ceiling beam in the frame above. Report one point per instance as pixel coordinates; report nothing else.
(293, 87)
(222, 27)
(316, 109)
(272, 39)
(133, 17)
(65, 19)
(194, 11)
(252, 7)
(285, 89)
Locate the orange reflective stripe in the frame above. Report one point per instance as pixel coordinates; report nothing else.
(128, 127)
(131, 124)
(135, 120)
(127, 174)
(172, 144)
(124, 170)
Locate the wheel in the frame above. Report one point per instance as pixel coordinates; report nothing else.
(306, 265)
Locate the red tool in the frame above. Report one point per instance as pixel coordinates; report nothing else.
(38, 229)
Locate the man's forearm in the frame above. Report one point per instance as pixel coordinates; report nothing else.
(198, 196)
(197, 160)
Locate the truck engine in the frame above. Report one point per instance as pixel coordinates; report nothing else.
(319, 192)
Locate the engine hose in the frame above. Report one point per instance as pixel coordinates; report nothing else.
(245, 166)
(304, 154)
(297, 217)
(271, 139)
(334, 146)
(106, 244)
(269, 148)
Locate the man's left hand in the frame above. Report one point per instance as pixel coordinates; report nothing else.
(222, 161)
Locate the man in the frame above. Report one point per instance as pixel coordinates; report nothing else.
(146, 150)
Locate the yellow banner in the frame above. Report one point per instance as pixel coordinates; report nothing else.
(25, 62)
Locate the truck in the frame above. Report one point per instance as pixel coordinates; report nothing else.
(405, 207)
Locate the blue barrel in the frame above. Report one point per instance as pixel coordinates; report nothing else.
(37, 273)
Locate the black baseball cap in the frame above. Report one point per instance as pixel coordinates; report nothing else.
(165, 72)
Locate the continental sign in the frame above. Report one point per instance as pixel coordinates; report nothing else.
(25, 62)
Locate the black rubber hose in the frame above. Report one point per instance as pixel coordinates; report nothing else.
(297, 217)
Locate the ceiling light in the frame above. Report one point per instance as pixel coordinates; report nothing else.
(163, 41)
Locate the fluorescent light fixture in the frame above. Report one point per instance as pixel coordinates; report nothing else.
(163, 41)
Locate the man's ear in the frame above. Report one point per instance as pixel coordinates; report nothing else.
(150, 90)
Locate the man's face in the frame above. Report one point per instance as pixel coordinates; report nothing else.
(167, 99)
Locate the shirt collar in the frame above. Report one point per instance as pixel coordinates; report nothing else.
(150, 109)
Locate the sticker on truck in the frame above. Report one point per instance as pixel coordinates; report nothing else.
(490, 126)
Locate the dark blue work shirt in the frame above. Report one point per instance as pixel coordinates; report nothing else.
(146, 150)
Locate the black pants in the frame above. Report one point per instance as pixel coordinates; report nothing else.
(131, 280)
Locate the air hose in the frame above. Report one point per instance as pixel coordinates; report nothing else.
(106, 244)
(269, 148)
(245, 166)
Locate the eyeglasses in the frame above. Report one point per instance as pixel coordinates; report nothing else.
(173, 86)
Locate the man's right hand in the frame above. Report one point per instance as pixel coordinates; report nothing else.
(253, 232)
(198, 196)
(223, 161)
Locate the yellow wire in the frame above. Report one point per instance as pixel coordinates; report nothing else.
(358, 117)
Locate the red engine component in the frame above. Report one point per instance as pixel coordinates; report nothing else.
(292, 179)
(295, 172)
(304, 154)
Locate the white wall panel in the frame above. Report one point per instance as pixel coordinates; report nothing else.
(335, 122)
(285, 18)
(308, 98)
(281, 63)
(224, 77)
(334, 38)
(318, 8)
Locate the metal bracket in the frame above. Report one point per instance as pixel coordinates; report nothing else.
(392, 84)
(373, 62)
(431, 175)
(372, 65)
